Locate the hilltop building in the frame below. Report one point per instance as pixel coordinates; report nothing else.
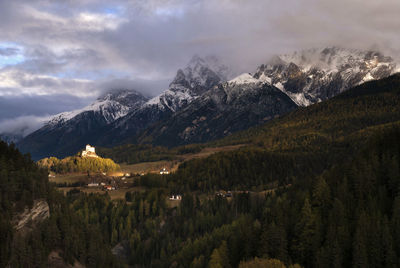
(89, 152)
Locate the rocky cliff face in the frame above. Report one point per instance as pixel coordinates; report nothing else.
(315, 75)
(29, 218)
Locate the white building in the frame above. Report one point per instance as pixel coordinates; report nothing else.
(89, 152)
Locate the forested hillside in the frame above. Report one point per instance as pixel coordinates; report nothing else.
(345, 216)
(21, 183)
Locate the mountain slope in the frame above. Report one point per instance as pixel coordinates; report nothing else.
(197, 77)
(227, 108)
(335, 123)
(67, 133)
(300, 144)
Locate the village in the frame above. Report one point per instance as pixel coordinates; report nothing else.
(116, 184)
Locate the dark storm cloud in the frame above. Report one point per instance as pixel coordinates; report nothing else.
(151, 39)
(16, 106)
(83, 48)
(23, 115)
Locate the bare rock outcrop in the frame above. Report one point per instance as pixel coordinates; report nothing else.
(30, 217)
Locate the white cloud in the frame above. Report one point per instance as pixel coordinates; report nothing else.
(22, 125)
(97, 22)
(17, 82)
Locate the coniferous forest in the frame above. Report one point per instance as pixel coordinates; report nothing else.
(325, 195)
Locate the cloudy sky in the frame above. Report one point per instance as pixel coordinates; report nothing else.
(58, 55)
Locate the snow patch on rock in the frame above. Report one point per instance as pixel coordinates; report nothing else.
(245, 78)
(314, 75)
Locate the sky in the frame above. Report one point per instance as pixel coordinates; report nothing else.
(60, 55)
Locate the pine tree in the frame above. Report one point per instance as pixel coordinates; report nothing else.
(274, 243)
(304, 243)
(219, 257)
(360, 257)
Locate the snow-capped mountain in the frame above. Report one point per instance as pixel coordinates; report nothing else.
(111, 106)
(68, 132)
(305, 77)
(228, 107)
(202, 104)
(315, 75)
(123, 114)
(199, 75)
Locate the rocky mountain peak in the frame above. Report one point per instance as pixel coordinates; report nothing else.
(110, 106)
(317, 74)
(200, 74)
(129, 98)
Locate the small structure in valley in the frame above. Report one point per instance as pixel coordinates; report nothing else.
(89, 152)
(164, 171)
(108, 188)
(175, 197)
